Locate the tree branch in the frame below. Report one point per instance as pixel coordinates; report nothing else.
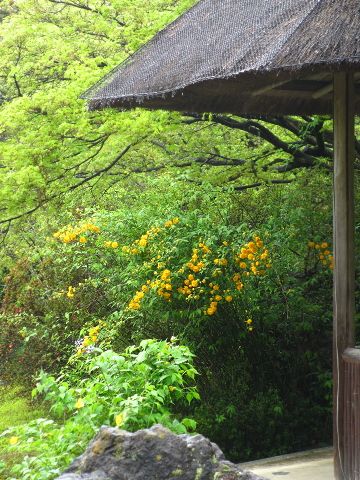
(70, 189)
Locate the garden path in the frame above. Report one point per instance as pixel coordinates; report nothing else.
(311, 465)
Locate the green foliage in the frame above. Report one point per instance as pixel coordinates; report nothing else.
(132, 390)
(52, 51)
(15, 409)
(263, 350)
(272, 371)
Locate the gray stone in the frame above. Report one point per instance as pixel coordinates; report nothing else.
(152, 454)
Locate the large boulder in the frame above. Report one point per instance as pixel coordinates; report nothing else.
(152, 454)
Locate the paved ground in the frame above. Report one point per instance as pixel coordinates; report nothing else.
(312, 465)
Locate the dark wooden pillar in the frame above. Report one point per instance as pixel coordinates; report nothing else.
(344, 277)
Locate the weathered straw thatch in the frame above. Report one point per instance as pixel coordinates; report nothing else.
(222, 55)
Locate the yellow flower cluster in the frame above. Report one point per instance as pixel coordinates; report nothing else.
(190, 286)
(120, 419)
(71, 292)
(196, 264)
(133, 251)
(221, 261)
(79, 403)
(324, 254)
(71, 234)
(110, 244)
(13, 440)
(149, 235)
(209, 277)
(136, 300)
(253, 258)
(172, 222)
(217, 297)
(237, 280)
(205, 249)
(162, 286)
(146, 237)
(249, 325)
(91, 338)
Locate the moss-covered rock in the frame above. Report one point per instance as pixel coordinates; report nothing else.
(152, 454)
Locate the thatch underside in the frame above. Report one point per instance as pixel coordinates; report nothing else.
(241, 56)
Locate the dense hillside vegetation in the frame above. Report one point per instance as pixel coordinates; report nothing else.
(155, 267)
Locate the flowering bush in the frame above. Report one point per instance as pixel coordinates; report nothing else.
(153, 272)
(169, 263)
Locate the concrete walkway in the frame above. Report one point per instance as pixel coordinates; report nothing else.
(311, 465)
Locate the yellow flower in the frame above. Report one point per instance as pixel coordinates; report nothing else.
(71, 292)
(114, 244)
(229, 298)
(211, 311)
(311, 244)
(249, 321)
(218, 298)
(242, 265)
(82, 240)
(119, 419)
(79, 403)
(134, 305)
(13, 440)
(165, 274)
(324, 245)
(143, 242)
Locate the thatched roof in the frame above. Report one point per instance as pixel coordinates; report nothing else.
(241, 56)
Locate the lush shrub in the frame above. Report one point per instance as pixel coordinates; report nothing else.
(142, 386)
(263, 349)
